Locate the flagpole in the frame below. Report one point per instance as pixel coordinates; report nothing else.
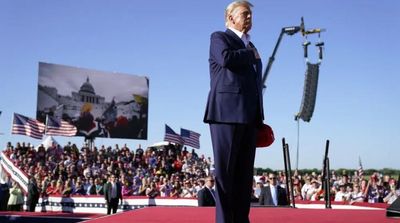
(54, 115)
(12, 121)
(360, 169)
(45, 125)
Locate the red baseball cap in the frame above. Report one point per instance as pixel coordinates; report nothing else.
(265, 136)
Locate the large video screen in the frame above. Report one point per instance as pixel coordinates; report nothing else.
(98, 103)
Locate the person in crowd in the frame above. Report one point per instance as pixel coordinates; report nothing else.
(87, 171)
(305, 188)
(165, 188)
(315, 193)
(393, 193)
(383, 189)
(44, 185)
(152, 191)
(67, 189)
(200, 184)
(257, 189)
(52, 188)
(196, 187)
(342, 194)
(297, 189)
(364, 188)
(356, 195)
(127, 188)
(91, 187)
(112, 194)
(79, 188)
(143, 187)
(4, 195)
(373, 190)
(137, 183)
(99, 186)
(59, 187)
(234, 111)
(139, 151)
(273, 194)
(187, 190)
(16, 199)
(206, 195)
(33, 194)
(41, 154)
(176, 189)
(345, 181)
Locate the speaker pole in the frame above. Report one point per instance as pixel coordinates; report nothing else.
(286, 170)
(288, 173)
(290, 176)
(326, 177)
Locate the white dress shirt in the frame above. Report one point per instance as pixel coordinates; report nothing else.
(274, 194)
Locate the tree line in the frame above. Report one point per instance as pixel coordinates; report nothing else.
(341, 171)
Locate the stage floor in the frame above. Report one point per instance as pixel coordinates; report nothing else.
(307, 214)
(257, 215)
(45, 217)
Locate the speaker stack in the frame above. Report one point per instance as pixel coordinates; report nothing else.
(309, 93)
(394, 209)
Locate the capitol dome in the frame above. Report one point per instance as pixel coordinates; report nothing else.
(87, 87)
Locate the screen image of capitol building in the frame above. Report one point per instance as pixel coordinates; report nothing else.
(99, 104)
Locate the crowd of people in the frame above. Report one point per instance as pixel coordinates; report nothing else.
(344, 187)
(164, 171)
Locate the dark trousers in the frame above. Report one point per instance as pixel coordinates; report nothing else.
(234, 152)
(112, 204)
(15, 207)
(31, 204)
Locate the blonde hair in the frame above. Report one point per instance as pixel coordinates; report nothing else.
(232, 6)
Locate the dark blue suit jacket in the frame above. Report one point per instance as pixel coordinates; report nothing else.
(266, 197)
(107, 191)
(236, 88)
(205, 198)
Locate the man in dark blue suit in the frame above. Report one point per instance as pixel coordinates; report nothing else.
(273, 194)
(112, 194)
(234, 112)
(33, 194)
(206, 196)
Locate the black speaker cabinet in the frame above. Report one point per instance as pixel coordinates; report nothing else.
(394, 209)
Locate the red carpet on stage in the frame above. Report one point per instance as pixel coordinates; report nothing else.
(257, 215)
(45, 217)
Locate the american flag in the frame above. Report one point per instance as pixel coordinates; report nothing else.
(360, 168)
(190, 138)
(26, 126)
(59, 127)
(171, 136)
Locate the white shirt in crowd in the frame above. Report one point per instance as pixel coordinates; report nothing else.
(342, 196)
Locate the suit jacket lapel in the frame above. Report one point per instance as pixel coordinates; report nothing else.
(235, 37)
(258, 65)
(211, 195)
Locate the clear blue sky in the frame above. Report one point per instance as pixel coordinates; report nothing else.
(358, 94)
